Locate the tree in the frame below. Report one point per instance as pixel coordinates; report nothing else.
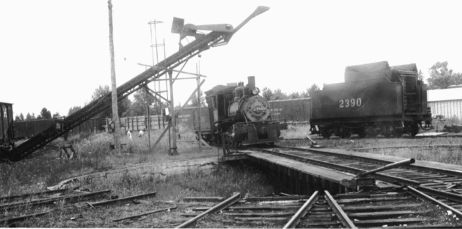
(73, 109)
(123, 105)
(28, 117)
(56, 115)
(45, 113)
(141, 100)
(442, 77)
(278, 95)
(294, 95)
(100, 92)
(267, 93)
(313, 89)
(19, 117)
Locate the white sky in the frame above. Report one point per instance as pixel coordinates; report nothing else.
(54, 53)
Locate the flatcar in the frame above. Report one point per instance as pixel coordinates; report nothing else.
(6, 129)
(239, 116)
(374, 99)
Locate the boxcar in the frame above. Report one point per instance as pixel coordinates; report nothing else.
(291, 110)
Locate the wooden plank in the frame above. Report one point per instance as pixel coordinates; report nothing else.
(260, 214)
(388, 222)
(368, 200)
(310, 169)
(254, 208)
(262, 219)
(380, 207)
(372, 215)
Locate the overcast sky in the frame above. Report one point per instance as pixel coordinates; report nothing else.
(54, 53)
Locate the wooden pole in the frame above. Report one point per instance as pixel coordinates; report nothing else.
(198, 79)
(115, 113)
(173, 149)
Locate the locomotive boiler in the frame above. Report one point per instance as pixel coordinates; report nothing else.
(374, 99)
(239, 116)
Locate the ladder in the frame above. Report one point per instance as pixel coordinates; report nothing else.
(220, 34)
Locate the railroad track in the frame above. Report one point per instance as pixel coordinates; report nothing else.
(18, 208)
(443, 184)
(391, 207)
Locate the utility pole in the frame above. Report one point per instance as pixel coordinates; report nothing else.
(173, 149)
(198, 79)
(115, 113)
(158, 104)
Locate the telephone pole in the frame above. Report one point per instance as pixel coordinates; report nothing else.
(115, 113)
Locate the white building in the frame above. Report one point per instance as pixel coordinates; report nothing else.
(446, 102)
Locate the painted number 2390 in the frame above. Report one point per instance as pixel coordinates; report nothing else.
(346, 103)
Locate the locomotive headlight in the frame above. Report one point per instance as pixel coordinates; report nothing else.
(255, 91)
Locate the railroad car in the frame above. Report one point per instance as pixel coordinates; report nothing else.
(238, 116)
(374, 99)
(6, 128)
(291, 110)
(29, 128)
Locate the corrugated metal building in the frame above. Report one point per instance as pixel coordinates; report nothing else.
(446, 102)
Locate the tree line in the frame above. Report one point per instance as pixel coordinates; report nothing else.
(440, 77)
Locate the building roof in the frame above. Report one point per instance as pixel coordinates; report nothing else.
(445, 94)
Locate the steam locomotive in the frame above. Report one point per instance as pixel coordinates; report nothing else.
(239, 116)
(375, 99)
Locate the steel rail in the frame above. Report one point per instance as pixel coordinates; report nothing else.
(107, 202)
(145, 214)
(431, 199)
(341, 215)
(295, 219)
(220, 206)
(26, 195)
(40, 202)
(11, 220)
(350, 156)
(93, 205)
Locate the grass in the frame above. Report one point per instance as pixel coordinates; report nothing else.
(45, 168)
(440, 149)
(220, 181)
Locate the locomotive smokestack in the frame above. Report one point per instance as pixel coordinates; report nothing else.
(251, 82)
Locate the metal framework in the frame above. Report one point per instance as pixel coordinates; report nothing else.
(200, 44)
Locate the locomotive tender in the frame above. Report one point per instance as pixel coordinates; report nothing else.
(375, 99)
(239, 116)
